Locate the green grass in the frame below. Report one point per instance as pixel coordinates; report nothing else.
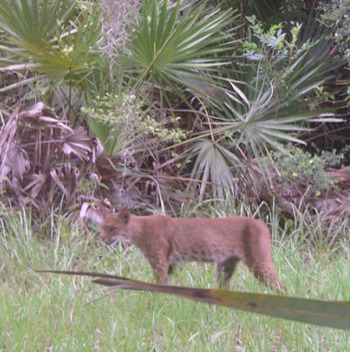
(44, 312)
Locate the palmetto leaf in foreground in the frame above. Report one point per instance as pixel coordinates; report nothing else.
(34, 21)
(334, 314)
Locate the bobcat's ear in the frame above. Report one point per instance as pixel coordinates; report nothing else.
(104, 212)
(124, 215)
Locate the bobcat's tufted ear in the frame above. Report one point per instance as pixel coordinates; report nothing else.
(124, 215)
(104, 211)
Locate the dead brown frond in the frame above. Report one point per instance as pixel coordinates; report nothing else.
(43, 160)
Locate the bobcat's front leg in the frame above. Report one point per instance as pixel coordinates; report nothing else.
(160, 267)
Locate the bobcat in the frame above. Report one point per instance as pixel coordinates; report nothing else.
(164, 241)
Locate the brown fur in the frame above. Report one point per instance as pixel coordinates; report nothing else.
(164, 241)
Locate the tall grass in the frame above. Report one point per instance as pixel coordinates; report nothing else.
(53, 313)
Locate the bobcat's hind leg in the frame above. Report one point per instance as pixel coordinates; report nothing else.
(269, 278)
(171, 269)
(225, 270)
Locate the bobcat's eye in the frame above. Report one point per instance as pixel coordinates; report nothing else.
(111, 229)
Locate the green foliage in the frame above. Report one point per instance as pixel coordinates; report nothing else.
(336, 16)
(174, 42)
(59, 48)
(62, 51)
(212, 166)
(259, 85)
(323, 313)
(293, 68)
(265, 106)
(33, 21)
(302, 171)
(112, 119)
(121, 123)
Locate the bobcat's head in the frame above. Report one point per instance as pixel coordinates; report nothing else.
(114, 227)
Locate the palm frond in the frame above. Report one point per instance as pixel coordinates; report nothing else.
(334, 314)
(213, 165)
(34, 21)
(176, 41)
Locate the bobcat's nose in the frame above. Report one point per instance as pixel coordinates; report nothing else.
(112, 241)
(107, 240)
(104, 237)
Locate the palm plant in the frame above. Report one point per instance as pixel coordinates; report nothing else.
(178, 42)
(267, 104)
(32, 21)
(181, 52)
(174, 47)
(54, 46)
(43, 161)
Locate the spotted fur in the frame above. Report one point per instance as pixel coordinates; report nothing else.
(164, 241)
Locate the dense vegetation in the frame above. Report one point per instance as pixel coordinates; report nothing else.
(190, 100)
(191, 108)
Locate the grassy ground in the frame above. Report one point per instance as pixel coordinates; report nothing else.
(55, 313)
